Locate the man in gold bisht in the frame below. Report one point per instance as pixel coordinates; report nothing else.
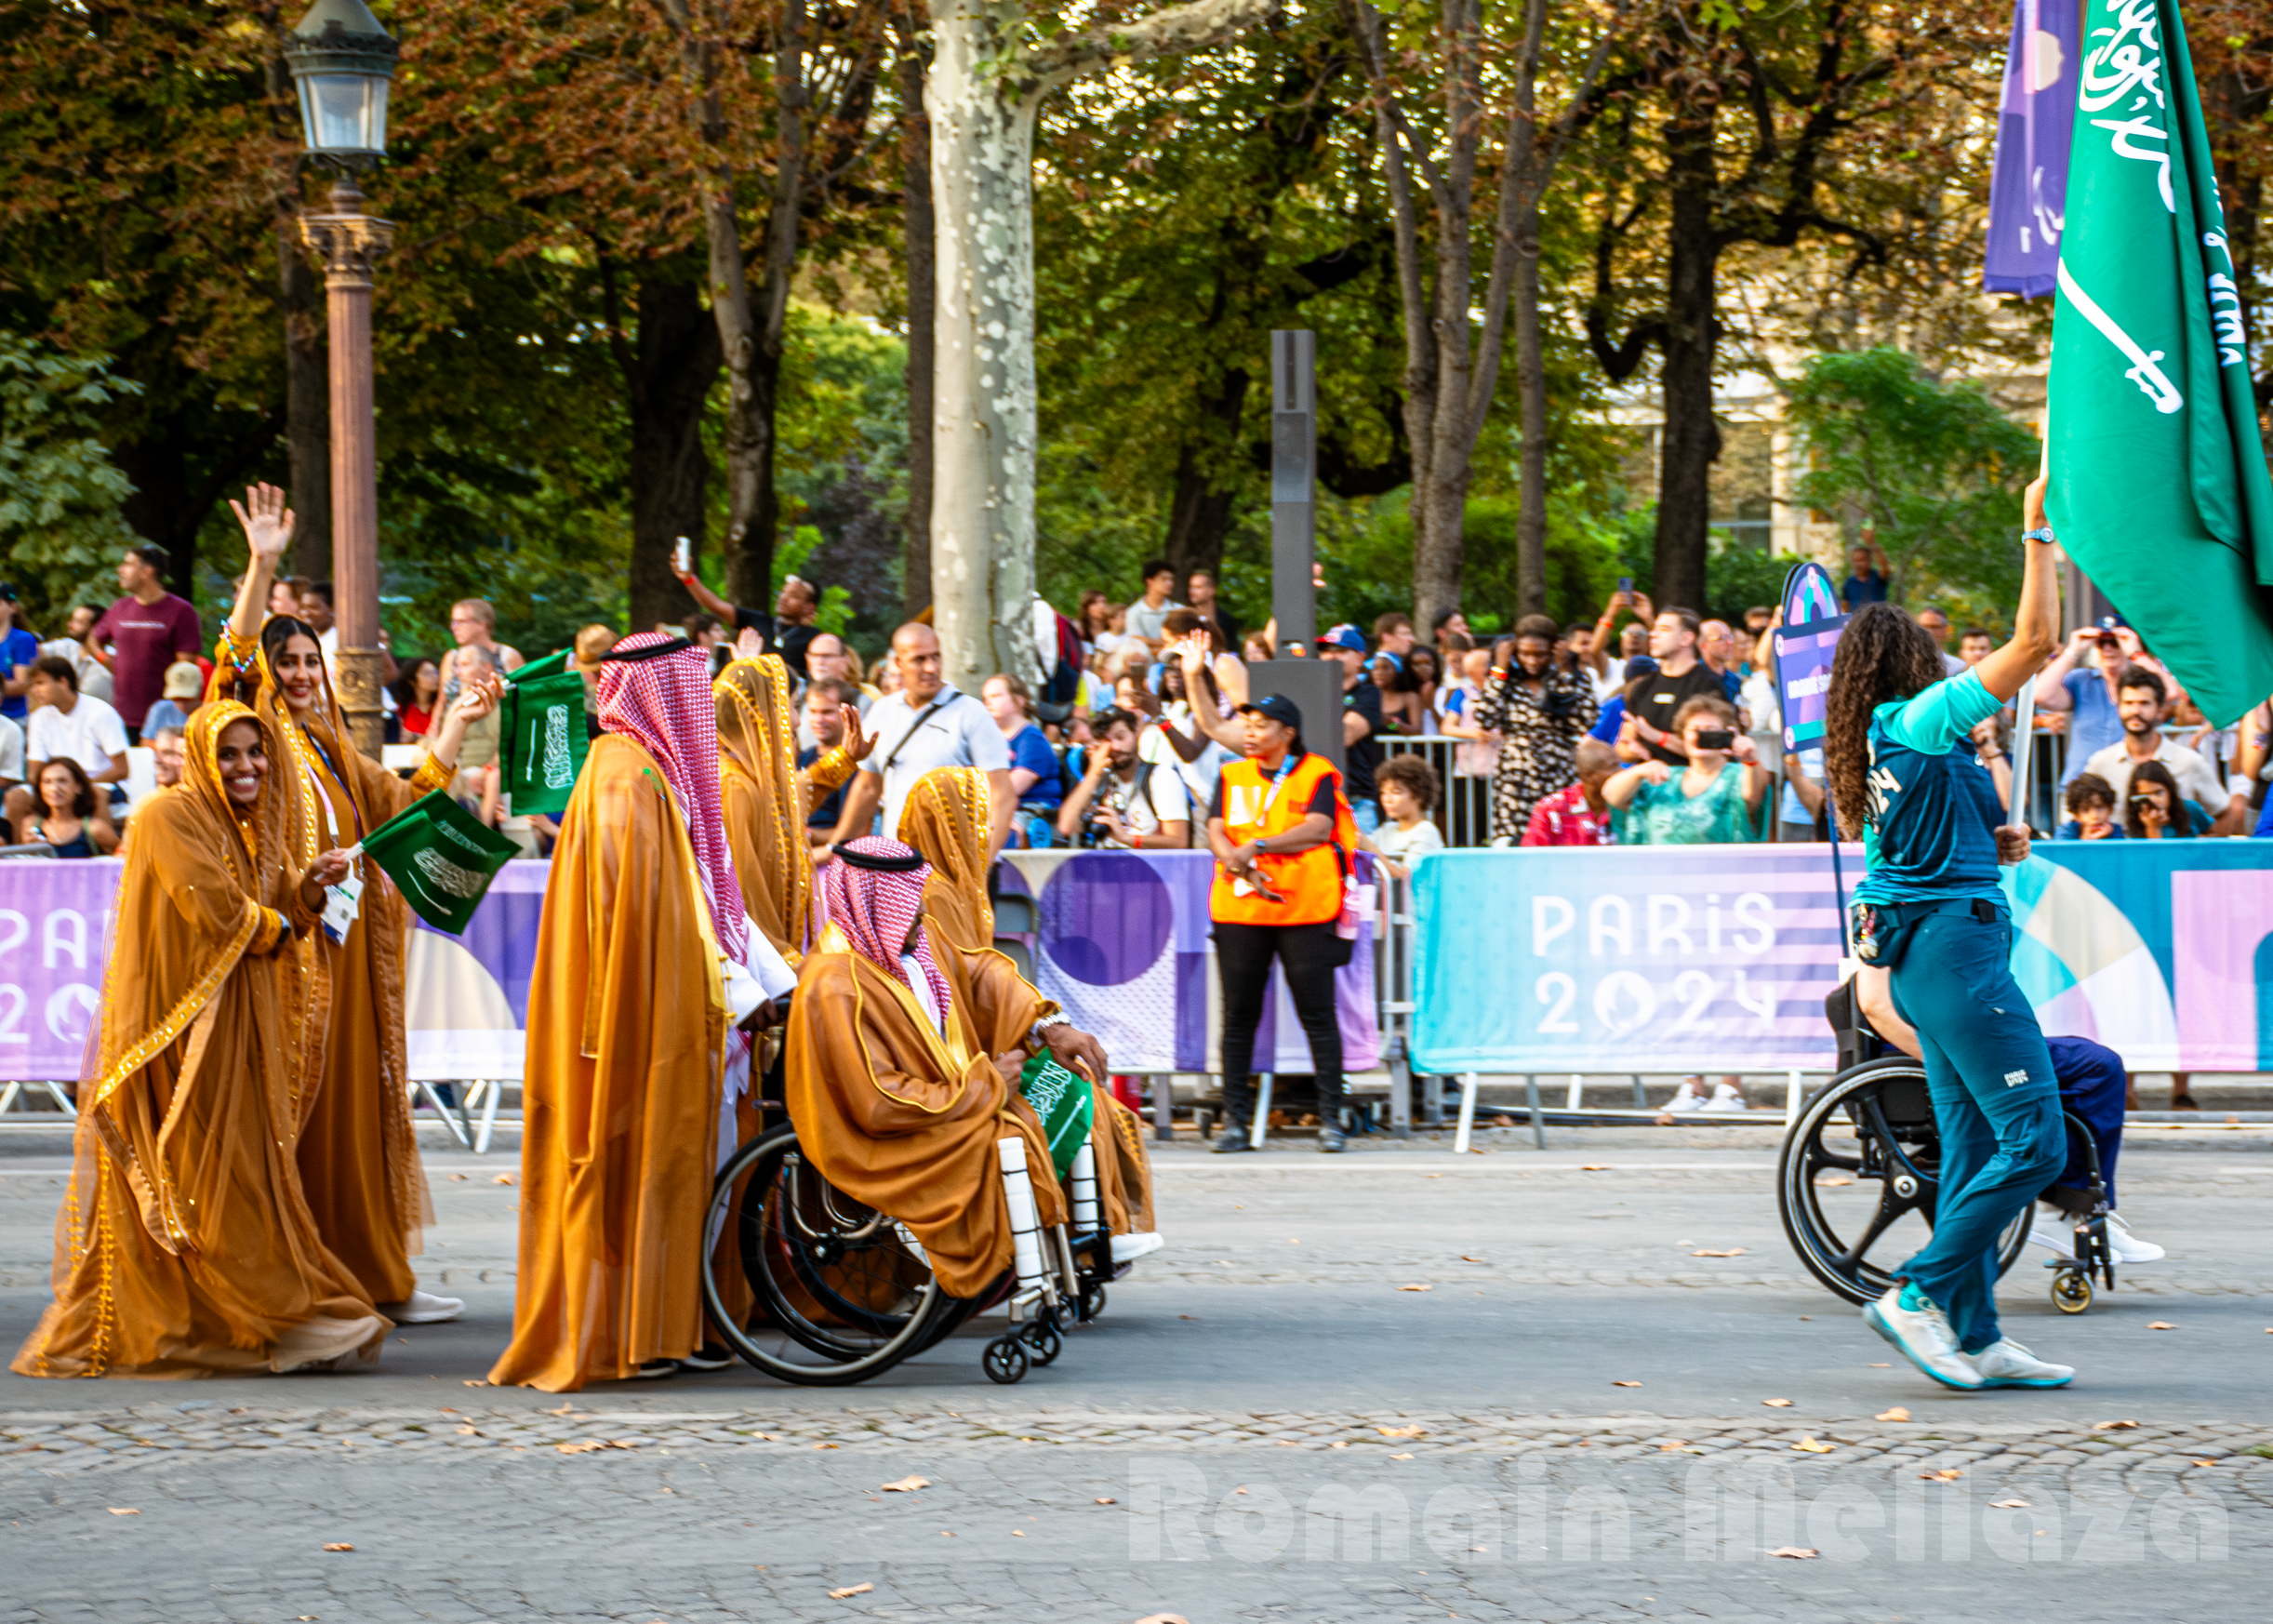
(765, 798)
(358, 1151)
(185, 1245)
(903, 1065)
(648, 977)
(946, 818)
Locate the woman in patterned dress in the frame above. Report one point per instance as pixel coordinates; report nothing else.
(1540, 713)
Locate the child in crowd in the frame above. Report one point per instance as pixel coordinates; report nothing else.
(1408, 788)
(2091, 810)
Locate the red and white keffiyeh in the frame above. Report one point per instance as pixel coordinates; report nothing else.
(664, 703)
(874, 909)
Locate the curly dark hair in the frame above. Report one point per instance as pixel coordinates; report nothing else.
(1882, 655)
(2154, 772)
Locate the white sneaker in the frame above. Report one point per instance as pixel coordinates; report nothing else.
(1723, 1099)
(1128, 1248)
(2128, 1247)
(1922, 1335)
(2005, 1363)
(423, 1308)
(1687, 1099)
(2055, 1229)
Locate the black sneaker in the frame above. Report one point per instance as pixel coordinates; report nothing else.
(1230, 1141)
(1330, 1138)
(709, 1356)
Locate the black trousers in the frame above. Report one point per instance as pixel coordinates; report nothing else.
(1310, 955)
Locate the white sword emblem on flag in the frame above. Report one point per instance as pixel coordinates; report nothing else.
(2146, 374)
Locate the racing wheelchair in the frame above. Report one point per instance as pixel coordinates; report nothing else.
(811, 1287)
(1858, 1176)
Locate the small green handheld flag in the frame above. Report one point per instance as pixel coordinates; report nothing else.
(1063, 1101)
(442, 857)
(541, 739)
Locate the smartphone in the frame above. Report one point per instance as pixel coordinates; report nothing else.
(683, 558)
(1625, 583)
(1716, 739)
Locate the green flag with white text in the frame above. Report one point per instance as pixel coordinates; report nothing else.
(441, 857)
(541, 737)
(2159, 485)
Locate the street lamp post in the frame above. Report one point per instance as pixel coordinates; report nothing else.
(342, 63)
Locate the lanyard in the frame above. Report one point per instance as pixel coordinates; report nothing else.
(1278, 782)
(329, 765)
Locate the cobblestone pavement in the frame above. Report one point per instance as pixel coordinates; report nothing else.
(1265, 1428)
(1000, 1511)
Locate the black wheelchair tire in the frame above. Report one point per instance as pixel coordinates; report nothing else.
(1842, 1270)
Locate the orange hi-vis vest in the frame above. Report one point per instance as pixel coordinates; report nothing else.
(1311, 881)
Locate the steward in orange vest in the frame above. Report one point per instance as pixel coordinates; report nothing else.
(1282, 835)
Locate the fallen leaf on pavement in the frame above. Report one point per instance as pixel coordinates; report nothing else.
(1797, 1552)
(906, 1485)
(587, 1445)
(1107, 1500)
(564, 1409)
(2113, 1426)
(1595, 1167)
(1808, 1446)
(1417, 1288)
(1663, 1119)
(1674, 1446)
(2205, 1463)
(824, 1447)
(2010, 1505)
(1408, 1455)
(467, 1431)
(473, 1384)
(1412, 1431)
(1777, 1403)
(1466, 1258)
(503, 1178)
(458, 1178)
(850, 1590)
(1897, 1414)
(1719, 1252)
(1947, 1474)
(2161, 1326)
(1626, 1384)
(341, 1545)
(124, 1511)
(1339, 1444)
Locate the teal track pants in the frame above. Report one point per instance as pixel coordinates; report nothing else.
(1996, 1104)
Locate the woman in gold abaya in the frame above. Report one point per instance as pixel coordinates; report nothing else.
(185, 1246)
(946, 818)
(358, 1156)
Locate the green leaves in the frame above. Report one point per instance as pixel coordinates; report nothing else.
(59, 492)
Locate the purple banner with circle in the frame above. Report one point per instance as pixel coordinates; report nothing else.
(1121, 941)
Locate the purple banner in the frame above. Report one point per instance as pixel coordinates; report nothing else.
(2034, 117)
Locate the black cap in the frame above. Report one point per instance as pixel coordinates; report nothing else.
(1278, 707)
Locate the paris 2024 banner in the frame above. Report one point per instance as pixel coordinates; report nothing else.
(1719, 957)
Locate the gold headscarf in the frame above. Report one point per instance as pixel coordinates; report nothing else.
(764, 809)
(946, 816)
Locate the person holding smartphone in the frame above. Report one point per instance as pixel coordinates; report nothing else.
(1716, 798)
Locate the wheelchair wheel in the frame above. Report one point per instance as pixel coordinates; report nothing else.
(2071, 1291)
(1858, 1178)
(806, 1284)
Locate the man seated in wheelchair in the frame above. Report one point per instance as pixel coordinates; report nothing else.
(2091, 1079)
(903, 1065)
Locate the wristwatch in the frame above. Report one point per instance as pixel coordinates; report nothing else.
(2042, 533)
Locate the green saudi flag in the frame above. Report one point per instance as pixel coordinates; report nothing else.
(441, 857)
(541, 737)
(2158, 487)
(1064, 1103)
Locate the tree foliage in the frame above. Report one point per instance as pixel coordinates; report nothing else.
(1935, 468)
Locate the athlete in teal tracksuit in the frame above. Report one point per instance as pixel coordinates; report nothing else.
(1932, 909)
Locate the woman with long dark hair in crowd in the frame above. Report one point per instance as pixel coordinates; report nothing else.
(2156, 809)
(358, 1157)
(1904, 774)
(418, 695)
(73, 821)
(1541, 712)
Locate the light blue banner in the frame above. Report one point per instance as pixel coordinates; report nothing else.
(1707, 958)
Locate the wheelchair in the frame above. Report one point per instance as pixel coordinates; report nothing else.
(1858, 1177)
(814, 1287)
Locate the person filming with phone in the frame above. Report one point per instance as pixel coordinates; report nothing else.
(1715, 798)
(1283, 837)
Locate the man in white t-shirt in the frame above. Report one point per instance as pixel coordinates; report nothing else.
(1134, 805)
(2139, 704)
(926, 723)
(1146, 613)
